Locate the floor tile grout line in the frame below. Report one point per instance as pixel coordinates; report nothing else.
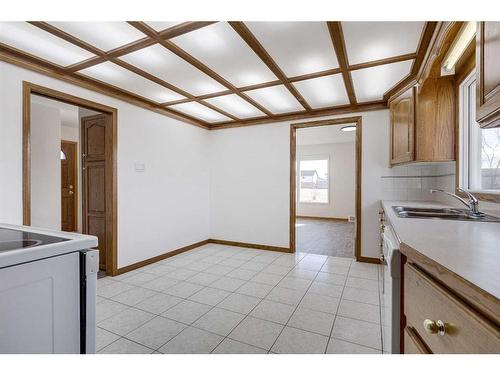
(296, 307)
(338, 306)
(267, 264)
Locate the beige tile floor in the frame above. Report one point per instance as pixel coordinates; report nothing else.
(223, 299)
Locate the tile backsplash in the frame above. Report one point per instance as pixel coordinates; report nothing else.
(413, 182)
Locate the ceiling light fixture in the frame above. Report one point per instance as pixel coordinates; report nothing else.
(464, 37)
(348, 128)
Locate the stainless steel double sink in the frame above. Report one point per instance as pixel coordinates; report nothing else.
(441, 213)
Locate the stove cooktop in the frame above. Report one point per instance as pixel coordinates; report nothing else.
(11, 239)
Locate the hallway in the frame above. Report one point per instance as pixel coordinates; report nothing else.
(325, 237)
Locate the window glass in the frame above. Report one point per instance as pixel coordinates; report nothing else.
(313, 181)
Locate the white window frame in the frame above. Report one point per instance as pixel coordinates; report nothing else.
(310, 158)
(467, 139)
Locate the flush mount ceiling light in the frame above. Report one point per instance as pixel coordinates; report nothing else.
(348, 128)
(464, 37)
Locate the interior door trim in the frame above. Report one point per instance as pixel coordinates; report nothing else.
(29, 89)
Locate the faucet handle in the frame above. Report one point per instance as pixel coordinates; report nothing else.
(471, 197)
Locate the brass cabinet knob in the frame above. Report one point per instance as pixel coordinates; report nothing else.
(433, 327)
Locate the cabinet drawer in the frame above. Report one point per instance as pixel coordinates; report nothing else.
(464, 330)
(413, 344)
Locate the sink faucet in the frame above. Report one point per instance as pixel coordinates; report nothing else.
(472, 203)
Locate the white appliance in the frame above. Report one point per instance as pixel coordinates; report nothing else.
(390, 286)
(48, 285)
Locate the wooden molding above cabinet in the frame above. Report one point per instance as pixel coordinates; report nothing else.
(488, 74)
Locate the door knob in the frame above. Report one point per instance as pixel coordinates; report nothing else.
(71, 192)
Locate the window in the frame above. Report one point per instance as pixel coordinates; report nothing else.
(313, 181)
(479, 148)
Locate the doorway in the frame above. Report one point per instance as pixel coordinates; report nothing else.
(312, 186)
(69, 186)
(69, 167)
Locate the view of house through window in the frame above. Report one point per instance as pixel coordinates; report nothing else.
(480, 148)
(313, 185)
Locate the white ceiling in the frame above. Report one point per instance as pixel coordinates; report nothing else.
(369, 41)
(298, 48)
(103, 35)
(223, 50)
(324, 134)
(164, 64)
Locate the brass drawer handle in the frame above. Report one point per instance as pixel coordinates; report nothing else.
(433, 327)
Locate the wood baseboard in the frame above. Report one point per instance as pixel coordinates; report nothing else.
(250, 245)
(323, 218)
(369, 260)
(157, 258)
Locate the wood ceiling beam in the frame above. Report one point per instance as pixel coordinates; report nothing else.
(136, 45)
(250, 39)
(388, 60)
(368, 106)
(302, 77)
(141, 26)
(28, 61)
(106, 57)
(423, 45)
(337, 36)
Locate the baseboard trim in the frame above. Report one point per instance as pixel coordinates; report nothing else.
(250, 245)
(157, 258)
(368, 260)
(322, 218)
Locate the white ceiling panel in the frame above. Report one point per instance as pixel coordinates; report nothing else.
(323, 91)
(276, 99)
(371, 83)
(369, 41)
(162, 25)
(103, 35)
(236, 106)
(31, 39)
(115, 75)
(224, 51)
(297, 47)
(159, 61)
(200, 111)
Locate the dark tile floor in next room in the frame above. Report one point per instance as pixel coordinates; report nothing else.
(325, 237)
(224, 299)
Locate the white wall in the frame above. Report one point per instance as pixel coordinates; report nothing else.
(161, 209)
(45, 167)
(342, 181)
(249, 184)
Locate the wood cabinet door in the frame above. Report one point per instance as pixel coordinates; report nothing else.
(402, 128)
(488, 74)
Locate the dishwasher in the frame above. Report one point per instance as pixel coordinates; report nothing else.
(390, 290)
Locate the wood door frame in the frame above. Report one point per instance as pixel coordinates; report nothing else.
(293, 183)
(76, 191)
(111, 167)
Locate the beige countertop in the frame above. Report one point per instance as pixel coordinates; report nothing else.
(469, 249)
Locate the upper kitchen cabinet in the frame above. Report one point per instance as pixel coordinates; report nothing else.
(422, 127)
(488, 74)
(402, 127)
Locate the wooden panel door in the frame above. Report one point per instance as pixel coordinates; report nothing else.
(402, 127)
(488, 74)
(69, 198)
(96, 154)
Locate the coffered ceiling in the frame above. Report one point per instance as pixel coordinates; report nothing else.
(223, 74)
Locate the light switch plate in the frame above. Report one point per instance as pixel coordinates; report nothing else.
(140, 167)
